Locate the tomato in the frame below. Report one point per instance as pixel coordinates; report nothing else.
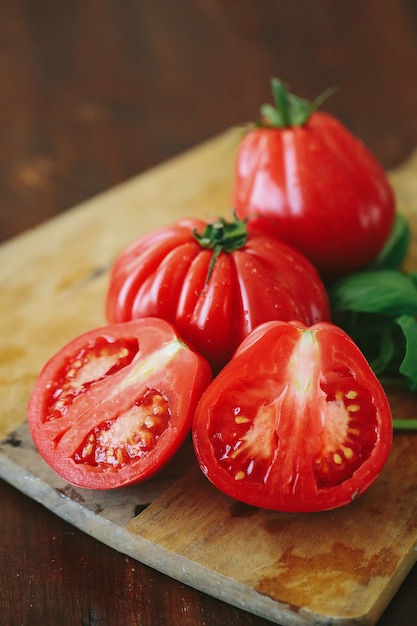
(296, 422)
(215, 282)
(314, 184)
(115, 404)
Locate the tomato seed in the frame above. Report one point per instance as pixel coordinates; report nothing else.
(87, 450)
(353, 408)
(348, 452)
(353, 431)
(241, 419)
(130, 436)
(352, 394)
(150, 421)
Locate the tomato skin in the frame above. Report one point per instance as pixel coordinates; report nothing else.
(296, 422)
(164, 274)
(113, 406)
(319, 189)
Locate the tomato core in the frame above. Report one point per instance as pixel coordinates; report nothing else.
(348, 438)
(128, 436)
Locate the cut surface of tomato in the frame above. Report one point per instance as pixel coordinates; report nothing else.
(113, 406)
(297, 421)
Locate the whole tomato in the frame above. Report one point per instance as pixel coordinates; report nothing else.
(215, 282)
(296, 421)
(303, 175)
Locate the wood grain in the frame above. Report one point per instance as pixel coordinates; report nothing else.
(96, 92)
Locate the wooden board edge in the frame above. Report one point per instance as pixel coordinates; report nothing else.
(163, 560)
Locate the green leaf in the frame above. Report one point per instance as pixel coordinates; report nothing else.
(396, 248)
(378, 310)
(408, 367)
(378, 337)
(413, 278)
(386, 351)
(384, 291)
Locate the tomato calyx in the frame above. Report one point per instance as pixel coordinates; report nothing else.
(289, 110)
(222, 236)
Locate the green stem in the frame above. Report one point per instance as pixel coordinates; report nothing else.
(404, 424)
(222, 236)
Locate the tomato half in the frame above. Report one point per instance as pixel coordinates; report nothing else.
(115, 404)
(297, 421)
(317, 187)
(215, 282)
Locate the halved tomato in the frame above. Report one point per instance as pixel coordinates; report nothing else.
(113, 406)
(297, 421)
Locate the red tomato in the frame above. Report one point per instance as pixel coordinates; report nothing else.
(318, 188)
(297, 421)
(215, 287)
(115, 404)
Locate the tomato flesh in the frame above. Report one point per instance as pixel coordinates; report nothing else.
(104, 356)
(113, 406)
(297, 421)
(349, 438)
(130, 435)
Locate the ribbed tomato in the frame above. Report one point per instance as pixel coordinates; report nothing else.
(215, 282)
(302, 174)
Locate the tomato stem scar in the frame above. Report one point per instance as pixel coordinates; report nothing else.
(222, 236)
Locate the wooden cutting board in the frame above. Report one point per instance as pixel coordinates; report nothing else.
(340, 567)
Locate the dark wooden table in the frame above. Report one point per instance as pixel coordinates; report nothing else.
(96, 91)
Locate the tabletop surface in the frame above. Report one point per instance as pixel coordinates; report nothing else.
(94, 93)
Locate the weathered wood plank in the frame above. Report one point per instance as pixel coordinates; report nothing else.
(337, 567)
